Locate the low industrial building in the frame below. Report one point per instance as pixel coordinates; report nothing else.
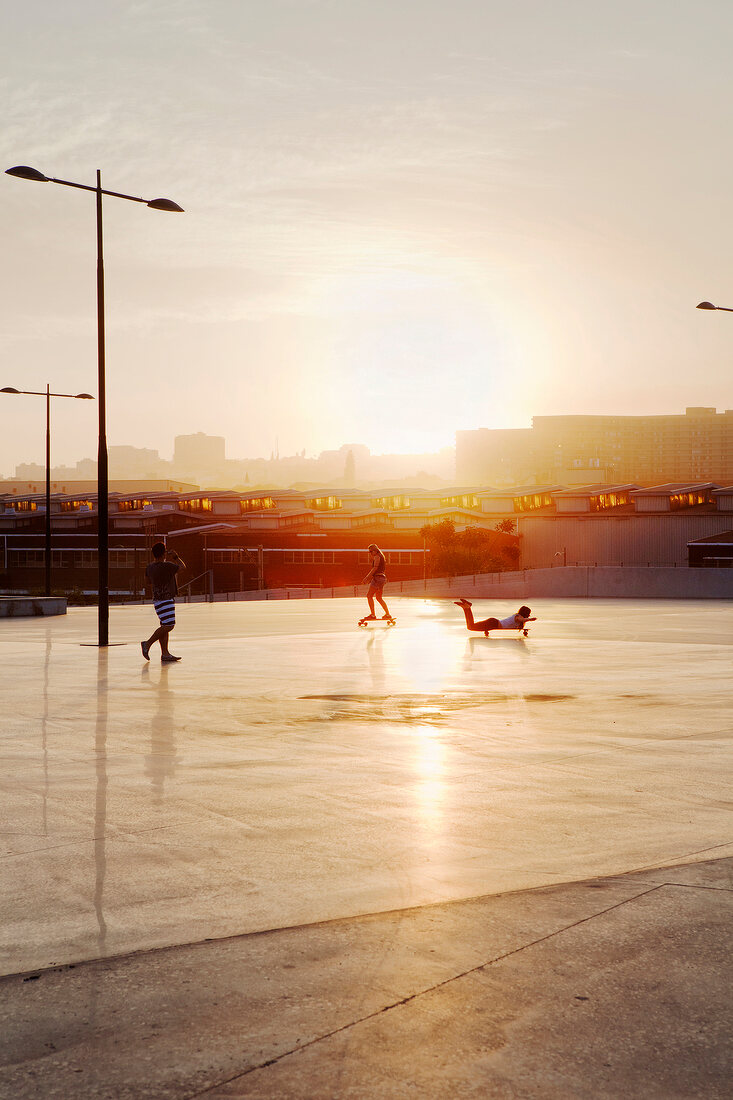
(236, 541)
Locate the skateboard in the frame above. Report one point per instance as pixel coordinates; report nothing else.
(365, 622)
(520, 633)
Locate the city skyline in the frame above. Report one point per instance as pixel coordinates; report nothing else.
(202, 458)
(400, 222)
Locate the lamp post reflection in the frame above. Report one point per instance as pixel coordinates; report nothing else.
(100, 798)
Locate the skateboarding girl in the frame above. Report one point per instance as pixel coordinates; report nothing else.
(376, 578)
(512, 622)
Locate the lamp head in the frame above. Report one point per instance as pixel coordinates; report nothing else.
(84, 396)
(27, 173)
(9, 389)
(165, 204)
(705, 305)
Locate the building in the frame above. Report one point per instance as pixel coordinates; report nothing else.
(573, 450)
(73, 487)
(623, 525)
(499, 456)
(313, 539)
(276, 538)
(199, 457)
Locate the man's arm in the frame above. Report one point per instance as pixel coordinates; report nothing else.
(176, 559)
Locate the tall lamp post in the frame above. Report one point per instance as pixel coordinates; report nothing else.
(48, 395)
(26, 173)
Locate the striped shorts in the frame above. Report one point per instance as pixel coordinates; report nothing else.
(166, 611)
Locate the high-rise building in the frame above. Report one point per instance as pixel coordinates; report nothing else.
(499, 457)
(198, 453)
(694, 446)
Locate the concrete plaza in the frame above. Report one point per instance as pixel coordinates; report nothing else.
(301, 827)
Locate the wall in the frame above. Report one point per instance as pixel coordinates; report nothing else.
(615, 540)
(582, 582)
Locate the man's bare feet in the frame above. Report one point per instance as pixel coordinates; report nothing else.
(463, 602)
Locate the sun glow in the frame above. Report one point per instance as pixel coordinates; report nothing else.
(415, 353)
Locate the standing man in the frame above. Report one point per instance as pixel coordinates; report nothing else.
(162, 577)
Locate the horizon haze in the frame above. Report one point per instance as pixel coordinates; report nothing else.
(400, 221)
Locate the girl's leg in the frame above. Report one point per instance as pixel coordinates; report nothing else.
(469, 615)
(483, 626)
(370, 600)
(380, 601)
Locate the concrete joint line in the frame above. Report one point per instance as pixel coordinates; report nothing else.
(429, 989)
(698, 886)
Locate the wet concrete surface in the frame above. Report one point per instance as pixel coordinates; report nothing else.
(294, 770)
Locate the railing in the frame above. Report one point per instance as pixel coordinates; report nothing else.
(208, 590)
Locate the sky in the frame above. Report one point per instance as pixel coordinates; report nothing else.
(402, 217)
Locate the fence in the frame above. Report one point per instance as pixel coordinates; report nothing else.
(572, 581)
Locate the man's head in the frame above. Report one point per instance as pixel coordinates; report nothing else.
(159, 551)
(525, 611)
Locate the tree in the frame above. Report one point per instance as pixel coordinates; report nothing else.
(475, 550)
(505, 525)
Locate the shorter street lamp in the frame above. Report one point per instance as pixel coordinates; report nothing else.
(709, 305)
(48, 395)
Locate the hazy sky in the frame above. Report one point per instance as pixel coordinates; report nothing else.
(403, 217)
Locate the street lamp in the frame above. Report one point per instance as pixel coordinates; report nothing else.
(26, 173)
(709, 305)
(48, 395)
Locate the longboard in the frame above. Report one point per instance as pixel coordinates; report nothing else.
(504, 633)
(376, 622)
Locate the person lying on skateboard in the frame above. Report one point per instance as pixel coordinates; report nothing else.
(512, 622)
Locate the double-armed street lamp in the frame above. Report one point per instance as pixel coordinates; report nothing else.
(48, 395)
(26, 173)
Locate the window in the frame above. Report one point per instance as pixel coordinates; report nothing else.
(297, 520)
(532, 501)
(688, 500)
(323, 504)
(25, 559)
(391, 504)
(309, 557)
(376, 519)
(256, 504)
(136, 505)
(196, 504)
(232, 555)
(604, 501)
(467, 500)
(121, 559)
(76, 505)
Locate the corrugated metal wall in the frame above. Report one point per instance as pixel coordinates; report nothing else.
(614, 540)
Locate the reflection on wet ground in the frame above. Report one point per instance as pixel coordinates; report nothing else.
(413, 708)
(294, 768)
